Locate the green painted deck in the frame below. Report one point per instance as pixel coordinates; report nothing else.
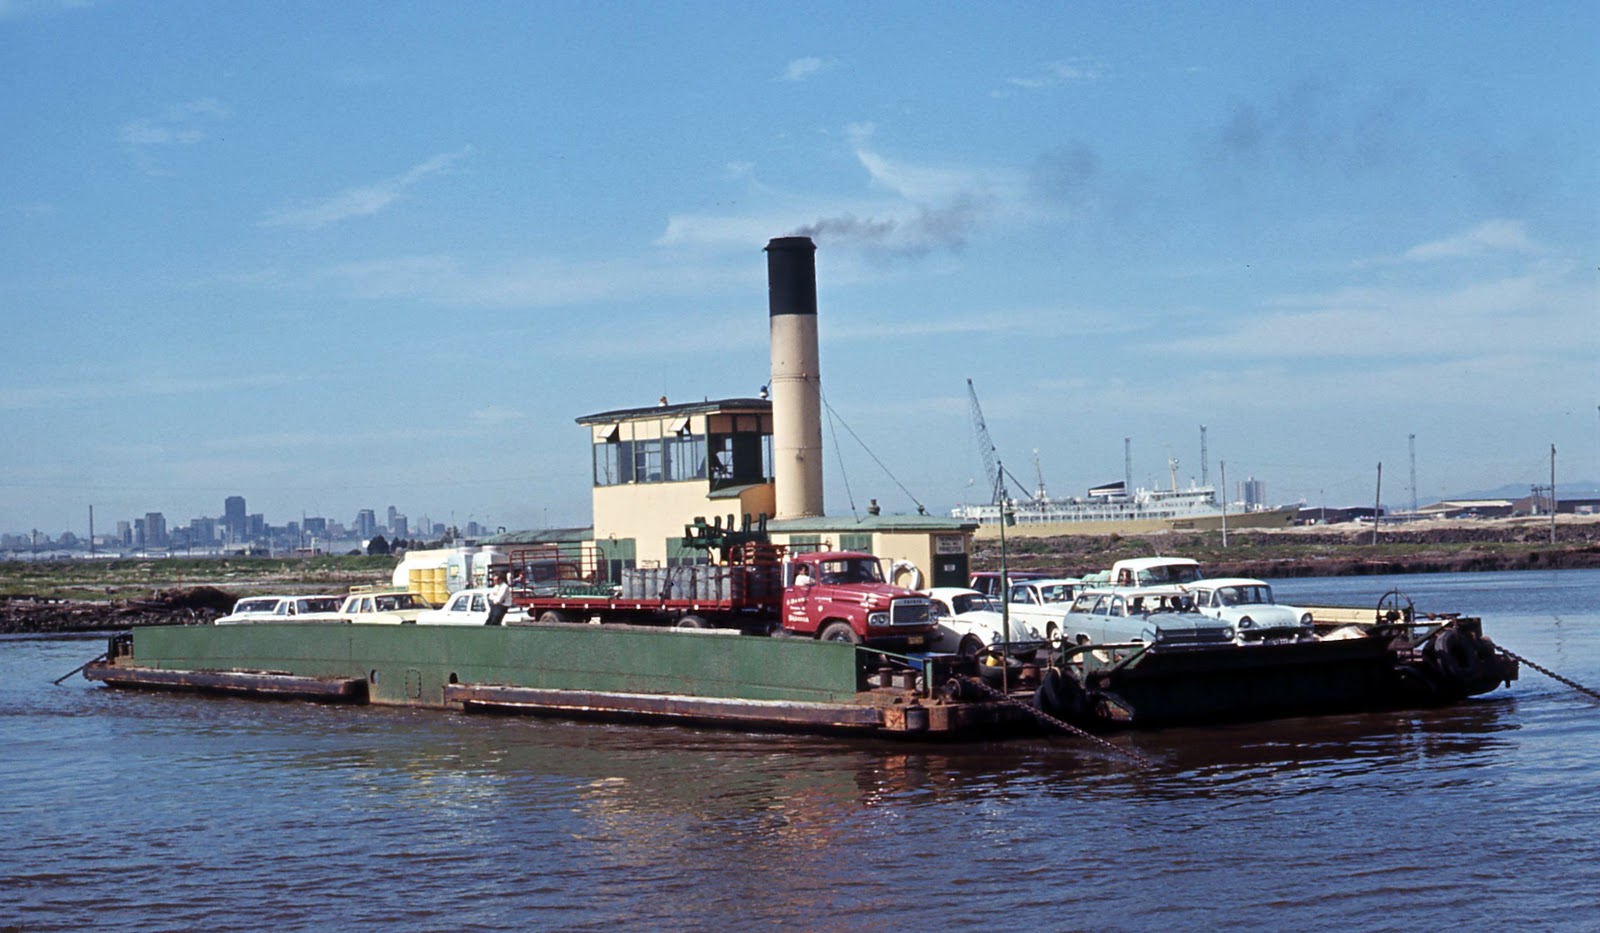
(412, 664)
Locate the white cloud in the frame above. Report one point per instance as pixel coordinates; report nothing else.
(95, 393)
(364, 200)
(538, 282)
(803, 68)
(1066, 71)
(1461, 318)
(181, 125)
(1494, 236)
(495, 415)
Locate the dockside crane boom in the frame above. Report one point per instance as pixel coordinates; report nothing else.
(995, 473)
(985, 446)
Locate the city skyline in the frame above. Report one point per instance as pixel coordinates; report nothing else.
(367, 253)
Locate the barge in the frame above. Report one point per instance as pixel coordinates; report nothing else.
(722, 678)
(709, 655)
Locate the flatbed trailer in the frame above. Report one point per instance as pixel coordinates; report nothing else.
(744, 594)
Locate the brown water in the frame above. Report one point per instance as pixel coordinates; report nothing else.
(142, 812)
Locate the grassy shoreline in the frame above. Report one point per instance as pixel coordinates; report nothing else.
(100, 595)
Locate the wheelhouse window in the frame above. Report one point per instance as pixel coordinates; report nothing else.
(613, 463)
(647, 461)
(686, 458)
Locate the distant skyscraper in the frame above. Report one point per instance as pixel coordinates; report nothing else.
(233, 517)
(1254, 493)
(202, 532)
(366, 524)
(393, 514)
(155, 529)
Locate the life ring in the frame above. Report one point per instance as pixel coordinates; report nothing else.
(903, 566)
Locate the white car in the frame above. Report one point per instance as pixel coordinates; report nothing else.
(384, 607)
(1248, 605)
(1043, 603)
(469, 607)
(1153, 615)
(284, 609)
(969, 622)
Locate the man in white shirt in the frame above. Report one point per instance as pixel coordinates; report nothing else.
(499, 600)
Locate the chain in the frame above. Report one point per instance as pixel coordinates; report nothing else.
(1067, 727)
(1547, 672)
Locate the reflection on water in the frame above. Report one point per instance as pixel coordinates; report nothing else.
(145, 811)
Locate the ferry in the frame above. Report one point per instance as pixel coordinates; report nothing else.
(799, 658)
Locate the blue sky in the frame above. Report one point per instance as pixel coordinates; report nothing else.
(344, 256)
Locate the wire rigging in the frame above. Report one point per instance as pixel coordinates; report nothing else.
(832, 414)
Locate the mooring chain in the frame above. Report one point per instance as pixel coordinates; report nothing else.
(1064, 726)
(1547, 672)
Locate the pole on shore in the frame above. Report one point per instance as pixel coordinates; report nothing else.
(1377, 504)
(1552, 494)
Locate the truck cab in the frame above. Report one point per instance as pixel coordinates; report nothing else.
(843, 596)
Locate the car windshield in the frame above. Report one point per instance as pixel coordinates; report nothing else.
(1056, 593)
(398, 601)
(974, 602)
(854, 570)
(1245, 595)
(1170, 573)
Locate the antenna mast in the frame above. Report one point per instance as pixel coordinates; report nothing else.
(1413, 440)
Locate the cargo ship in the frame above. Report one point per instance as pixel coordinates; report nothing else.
(718, 625)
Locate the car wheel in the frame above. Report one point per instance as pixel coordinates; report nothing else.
(970, 646)
(554, 616)
(839, 631)
(691, 622)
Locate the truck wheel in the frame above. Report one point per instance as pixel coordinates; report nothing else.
(839, 631)
(691, 622)
(553, 615)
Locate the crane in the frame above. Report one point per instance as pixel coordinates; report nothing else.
(995, 473)
(985, 445)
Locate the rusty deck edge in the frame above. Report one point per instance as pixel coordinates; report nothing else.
(833, 716)
(237, 683)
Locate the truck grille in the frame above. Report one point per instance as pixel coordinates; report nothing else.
(910, 612)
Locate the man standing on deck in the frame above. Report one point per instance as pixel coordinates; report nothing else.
(499, 600)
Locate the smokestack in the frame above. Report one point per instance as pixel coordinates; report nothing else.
(796, 378)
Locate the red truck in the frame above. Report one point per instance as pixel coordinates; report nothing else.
(758, 589)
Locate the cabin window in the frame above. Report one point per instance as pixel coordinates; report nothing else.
(739, 459)
(686, 458)
(613, 463)
(647, 461)
(477, 603)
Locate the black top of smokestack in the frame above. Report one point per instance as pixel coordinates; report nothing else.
(791, 275)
